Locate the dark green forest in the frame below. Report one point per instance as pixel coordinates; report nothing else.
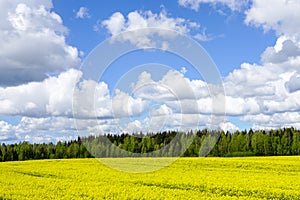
(281, 142)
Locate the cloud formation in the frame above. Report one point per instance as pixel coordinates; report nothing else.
(268, 90)
(281, 16)
(83, 13)
(33, 42)
(142, 21)
(47, 107)
(52, 97)
(234, 5)
(264, 94)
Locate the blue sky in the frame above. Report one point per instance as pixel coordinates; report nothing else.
(229, 33)
(49, 45)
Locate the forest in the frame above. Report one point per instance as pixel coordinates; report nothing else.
(281, 142)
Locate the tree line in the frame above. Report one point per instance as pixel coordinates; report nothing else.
(279, 142)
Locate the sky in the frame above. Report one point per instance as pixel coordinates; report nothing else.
(82, 67)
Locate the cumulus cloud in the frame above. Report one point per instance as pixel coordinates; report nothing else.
(173, 86)
(264, 81)
(48, 107)
(148, 24)
(293, 84)
(234, 5)
(173, 121)
(62, 95)
(269, 89)
(274, 121)
(233, 106)
(138, 20)
(54, 129)
(274, 84)
(203, 37)
(272, 88)
(91, 100)
(83, 13)
(228, 126)
(32, 40)
(279, 15)
(36, 99)
(6, 132)
(265, 94)
(148, 89)
(284, 50)
(123, 105)
(115, 24)
(278, 76)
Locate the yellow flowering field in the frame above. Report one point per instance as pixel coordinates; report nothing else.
(186, 178)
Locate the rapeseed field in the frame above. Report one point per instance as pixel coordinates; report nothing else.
(186, 178)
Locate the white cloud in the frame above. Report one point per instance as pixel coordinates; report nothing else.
(172, 121)
(63, 95)
(115, 24)
(269, 89)
(293, 84)
(54, 129)
(53, 96)
(279, 15)
(47, 107)
(274, 121)
(228, 126)
(6, 131)
(273, 86)
(262, 81)
(91, 100)
(134, 127)
(145, 22)
(178, 85)
(284, 50)
(123, 105)
(174, 102)
(148, 89)
(172, 86)
(83, 13)
(51, 129)
(33, 42)
(267, 94)
(203, 37)
(233, 106)
(235, 5)
(162, 110)
(138, 20)
(279, 104)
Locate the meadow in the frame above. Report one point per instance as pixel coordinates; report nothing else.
(186, 178)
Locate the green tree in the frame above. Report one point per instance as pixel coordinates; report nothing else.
(296, 143)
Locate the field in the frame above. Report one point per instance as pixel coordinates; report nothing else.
(187, 178)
